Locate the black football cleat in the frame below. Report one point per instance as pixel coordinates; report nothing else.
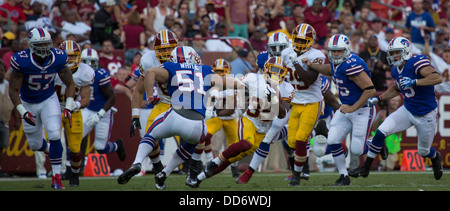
(74, 180)
(129, 173)
(384, 153)
(160, 180)
(295, 179)
(361, 171)
(343, 180)
(120, 149)
(209, 170)
(437, 166)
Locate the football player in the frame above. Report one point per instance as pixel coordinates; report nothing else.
(308, 103)
(414, 79)
(83, 76)
(99, 113)
(265, 91)
(352, 79)
(187, 83)
(224, 106)
(165, 41)
(32, 91)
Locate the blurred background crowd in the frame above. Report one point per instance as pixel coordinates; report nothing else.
(130, 25)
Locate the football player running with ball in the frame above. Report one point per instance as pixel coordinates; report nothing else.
(414, 79)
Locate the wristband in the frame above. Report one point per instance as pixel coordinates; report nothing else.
(21, 109)
(69, 102)
(135, 112)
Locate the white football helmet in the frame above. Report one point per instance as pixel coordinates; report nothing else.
(277, 42)
(338, 42)
(40, 42)
(185, 54)
(399, 44)
(90, 57)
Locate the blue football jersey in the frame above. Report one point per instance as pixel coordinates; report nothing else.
(325, 87)
(188, 84)
(419, 100)
(349, 91)
(39, 80)
(98, 99)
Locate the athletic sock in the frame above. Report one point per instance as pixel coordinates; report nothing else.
(339, 158)
(376, 145)
(55, 155)
(260, 155)
(145, 146)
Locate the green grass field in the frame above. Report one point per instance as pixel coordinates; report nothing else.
(377, 181)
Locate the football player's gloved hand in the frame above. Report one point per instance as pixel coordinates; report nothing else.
(26, 115)
(94, 119)
(68, 109)
(271, 94)
(372, 101)
(293, 57)
(134, 124)
(154, 100)
(407, 82)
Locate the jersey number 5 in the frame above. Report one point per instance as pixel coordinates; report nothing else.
(186, 84)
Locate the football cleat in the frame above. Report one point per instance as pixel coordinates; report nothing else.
(295, 179)
(437, 166)
(120, 149)
(361, 171)
(343, 180)
(384, 152)
(160, 180)
(56, 182)
(129, 173)
(74, 180)
(245, 177)
(209, 170)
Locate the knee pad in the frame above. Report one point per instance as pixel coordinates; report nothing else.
(99, 146)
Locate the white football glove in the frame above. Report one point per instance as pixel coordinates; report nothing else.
(372, 101)
(292, 57)
(94, 119)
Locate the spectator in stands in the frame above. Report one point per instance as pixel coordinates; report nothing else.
(5, 113)
(276, 18)
(241, 66)
(290, 25)
(441, 63)
(133, 36)
(126, 9)
(76, 27)
(108, 59)
(420, 23)
(260, 18)
(258, 40)
(84, 8)
(16, 12)
(215, 18)
(206, 26)
(318, 17)
(298, 14)
(198, 45)
(57, 11)
(180, 14)
(355, 41)
(38, 18)
(104, 25)
(347, 28)
(216, 44)
(239, 18)
(377, 63)
(155, 20)
(144, 6)
(119, 79)
(363, 16)
(7, 39)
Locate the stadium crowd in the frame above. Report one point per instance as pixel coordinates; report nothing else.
(130, 25)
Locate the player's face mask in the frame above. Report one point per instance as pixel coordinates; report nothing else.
(395, 57)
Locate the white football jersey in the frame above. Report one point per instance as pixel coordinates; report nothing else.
(304, 94)
(149, 60)
(258, 109)
(82, 77)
